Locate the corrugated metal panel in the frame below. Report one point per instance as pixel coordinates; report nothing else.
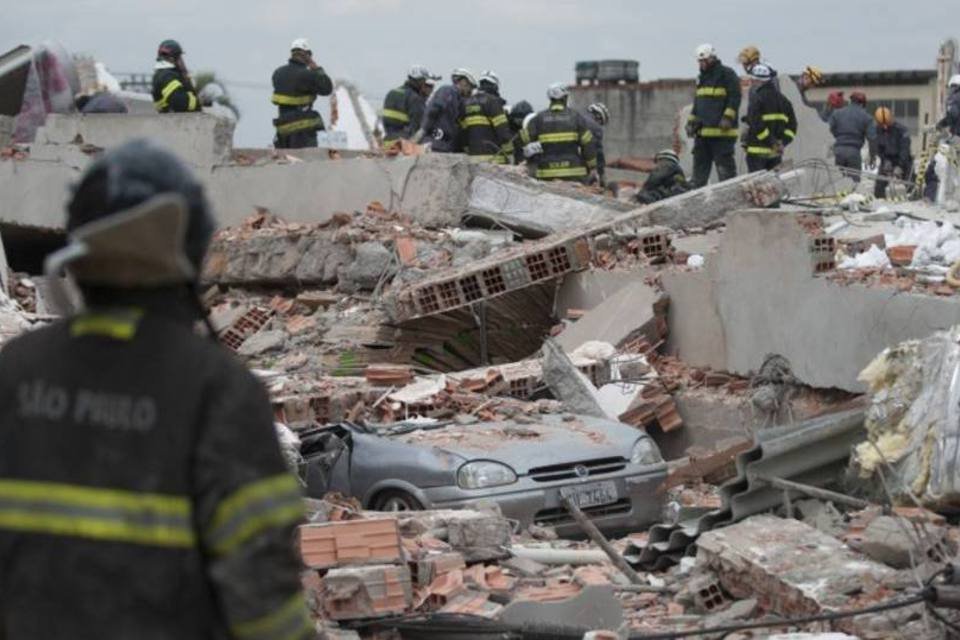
(814, 452)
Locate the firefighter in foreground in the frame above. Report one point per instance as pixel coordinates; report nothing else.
(296, 86)
(403, 107)
(771, 122)
(441, 121)
(558, 143)
(712, 122)
(486, 131)
(893, 150)
(173, 90)
(950, 123)
(666, 179)
(142, 491)
(597, 118)
(851, 126)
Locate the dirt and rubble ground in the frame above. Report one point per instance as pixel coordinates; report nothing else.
(316, 310)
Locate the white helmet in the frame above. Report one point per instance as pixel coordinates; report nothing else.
(954, 81)
(667, 154)
(557, 91)
(460, 72)
(491, 77)
(420, 72)
(600, 112)
(300, 43)
(761, 72)
(705, 52)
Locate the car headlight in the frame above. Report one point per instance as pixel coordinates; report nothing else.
(645, 452)
(484, 473)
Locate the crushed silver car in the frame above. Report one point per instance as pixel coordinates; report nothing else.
(611, 470)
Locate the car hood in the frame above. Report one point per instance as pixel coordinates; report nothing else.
(551, 440)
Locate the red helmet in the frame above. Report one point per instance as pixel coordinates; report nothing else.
(835, 99)
(859, 97)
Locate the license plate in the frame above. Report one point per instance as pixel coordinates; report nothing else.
(591, 495)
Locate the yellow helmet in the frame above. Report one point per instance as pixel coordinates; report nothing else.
(749, 55)
(883, 116)
(813, 75)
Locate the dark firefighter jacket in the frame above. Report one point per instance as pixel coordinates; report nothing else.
(142, 492)
(951, 120)
(486, 131)
(402, 112)
(172, 93)
(597, 130)
(441, 121)
(569, 150)
(717, 96)
(295, 88)
(893, 146)
(770, 121)
(665, 180)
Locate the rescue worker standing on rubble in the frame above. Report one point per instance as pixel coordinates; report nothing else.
(712, 123)
(851, 126)
(515, 118)
(142, 491)
(597, 118)
(173, 90)
(403, 107)
(296, 86)
(666, 179)
(771, 122)
(558, 142)
(951, 119)
(441, 121)
(485, 127)
(893, 150)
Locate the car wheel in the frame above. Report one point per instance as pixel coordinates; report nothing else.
(396, 501)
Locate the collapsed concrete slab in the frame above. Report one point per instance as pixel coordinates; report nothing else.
(538, 209)
(764, 293)
(630, 311)
(794, 569)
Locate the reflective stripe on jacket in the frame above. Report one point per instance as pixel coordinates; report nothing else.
(142, 492)
(172, 92)
(402, 112)
(717, 96)
(295, 89)
(569, 149)
(486, 131)
(770, 121)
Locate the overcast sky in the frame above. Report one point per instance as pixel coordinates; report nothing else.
(529, 43)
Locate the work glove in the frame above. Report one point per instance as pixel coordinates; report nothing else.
(532, 149)
(593, 178)
(898, 172)
(726, 123)
(777, 148)
(692, 127)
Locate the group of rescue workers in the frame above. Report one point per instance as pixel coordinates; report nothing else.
(142, 491)
(470, 116)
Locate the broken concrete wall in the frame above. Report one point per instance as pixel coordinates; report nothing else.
(200, 139)
(758, 295)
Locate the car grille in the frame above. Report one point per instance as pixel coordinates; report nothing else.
(568, 471)
(558, 516)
